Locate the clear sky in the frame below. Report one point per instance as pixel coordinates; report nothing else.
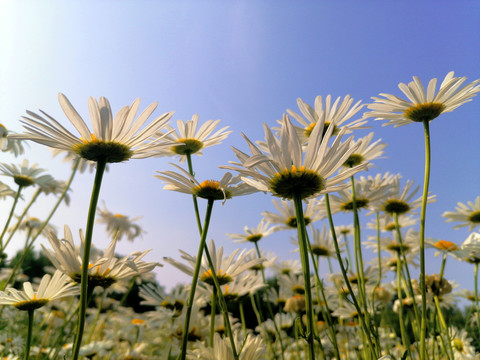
(244, 62)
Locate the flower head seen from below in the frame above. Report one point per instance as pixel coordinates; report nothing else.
(104, 271)
(119, 225)
(50, 288)
(114, 139)
(286, 217)
(228, 187)
(26, 175)
(7, 144)
(189, 138)
(366, 152)
(287, 172)
(324, 112)
(226, 268)
(467, 215)
(423, 105)
(254, 235)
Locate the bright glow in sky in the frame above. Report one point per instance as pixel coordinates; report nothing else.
(245, 63)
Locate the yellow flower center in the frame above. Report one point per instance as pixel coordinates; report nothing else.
(320, 250)
(394, 206)
(23, 180)
(32, 304)
(474, 217)
(222, 277)
(359, 202)
(394, 246)
(187, 146)
(292, 221)
(295, 182)
(354, 160)
(445, 245)
(99, 150)
(254, 237)
(458, 345)
(120, 216)
(211, 190)
(311, 126)
(424, 112)
(137, 321)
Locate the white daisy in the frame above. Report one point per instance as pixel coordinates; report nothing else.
(119, 225)
(422, 106)
(286, 171)
(104, 271)
(7, 144)
(226, 268)
(399, 201)
(287, 218)
(466, 215)
(114, 139)
(366, 151)
(254, 234)
(224, 189)
(26, 174)
(338, 113)
(49, 289)
(190, 139)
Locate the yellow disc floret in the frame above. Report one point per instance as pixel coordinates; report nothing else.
(424, 112)
(100, 150)
(296, 182)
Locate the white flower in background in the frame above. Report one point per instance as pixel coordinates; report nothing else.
(103, 271)
(10, 145)
(119, 225)
(26, 175)
(287, 218)
(189, 138)
(226, 268)
(114, 139)
(366, 151)
(326, 113)
(255, 234)
(228, 187)
(422, 105)
(400, 201)
(321, 242)
(5, 191)
(467, 215)
(50, 288)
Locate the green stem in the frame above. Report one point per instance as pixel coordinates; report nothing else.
(222, 303)
(403, 333)
(196, 272)
(12, 210)
(423, 332)
(101, 164)
(212, 315)
(19, 221)
(269, 306)
(29, 334)
(366, 328)
(302, 242)
(195, 202)
(242, 318)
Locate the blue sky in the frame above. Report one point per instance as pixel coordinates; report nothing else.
(244, 62)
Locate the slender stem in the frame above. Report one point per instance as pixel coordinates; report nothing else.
(19, 221)
(366, 328)
(222, 303)
(196, 272)
(195, 202)
(101, 164)
(29, 334)
(12, 210)
(403, 333)
(212, 315)
(269, 307)
(302, 242)
(242, 318)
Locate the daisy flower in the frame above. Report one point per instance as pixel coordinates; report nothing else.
(114, 139)
(189, 138)
(226, 268)
(104, 271)
(466, 215)
(5, 191)
(387, 223)
(119, 225)
(253, 234)
(7, 144)
(50, 288)
(326, 112)
(422, 105)
(322, 243)
(287, 219)
(26, 175)
(399, 201)
(224, 189)
(442, 246)
(287, 172)
(366, 151)
(461, 344)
